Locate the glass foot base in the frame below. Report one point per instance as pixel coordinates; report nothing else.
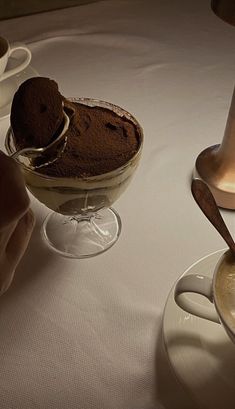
(82, 236)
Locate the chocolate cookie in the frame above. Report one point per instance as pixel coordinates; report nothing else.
(36, 112)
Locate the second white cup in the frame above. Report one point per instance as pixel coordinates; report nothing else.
(6, 50)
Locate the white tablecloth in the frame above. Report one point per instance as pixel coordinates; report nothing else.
(87, 333)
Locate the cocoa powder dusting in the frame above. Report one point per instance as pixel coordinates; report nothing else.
(99, 141)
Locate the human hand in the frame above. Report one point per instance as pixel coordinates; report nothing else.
(16, 219)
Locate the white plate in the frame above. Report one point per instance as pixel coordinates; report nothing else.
(200, 352)
(10, 85)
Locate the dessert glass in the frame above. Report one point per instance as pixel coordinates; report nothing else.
(82, 223)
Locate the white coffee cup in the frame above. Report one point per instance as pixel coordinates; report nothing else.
(6, 50)
(220, 291)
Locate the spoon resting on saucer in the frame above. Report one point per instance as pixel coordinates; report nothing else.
(207, 204)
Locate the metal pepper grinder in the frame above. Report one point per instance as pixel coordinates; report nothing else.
(216, 164)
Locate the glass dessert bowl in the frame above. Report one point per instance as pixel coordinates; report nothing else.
(82, 223)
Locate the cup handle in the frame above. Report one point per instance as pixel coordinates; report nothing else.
(21, 66)
(198, 284)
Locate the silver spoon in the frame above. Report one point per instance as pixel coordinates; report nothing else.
(207, 204)
(34, 152)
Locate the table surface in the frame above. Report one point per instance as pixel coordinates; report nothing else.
(87, 333)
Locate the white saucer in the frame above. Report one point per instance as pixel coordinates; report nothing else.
(10, 85)
(200, 352)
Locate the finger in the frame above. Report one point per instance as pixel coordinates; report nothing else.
(6, 276)
(5, 234)
(19, 239)
(14, 200)
(15, 250)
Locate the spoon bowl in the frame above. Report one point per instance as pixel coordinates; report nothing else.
(35, 152)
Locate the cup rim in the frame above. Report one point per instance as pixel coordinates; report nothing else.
(95, 177)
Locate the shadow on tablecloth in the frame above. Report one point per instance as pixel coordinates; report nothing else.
(169, 390)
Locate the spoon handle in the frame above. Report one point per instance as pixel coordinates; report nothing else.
(207, 204)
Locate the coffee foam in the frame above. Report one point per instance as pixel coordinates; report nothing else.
(225, 288)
